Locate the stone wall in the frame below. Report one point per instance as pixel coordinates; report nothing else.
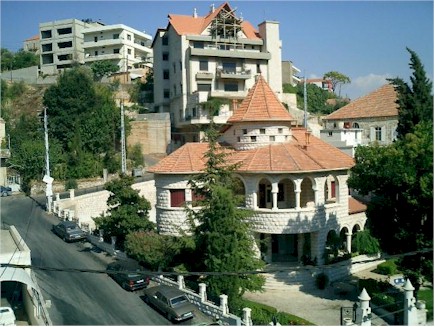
(84, 208)
(152, 132)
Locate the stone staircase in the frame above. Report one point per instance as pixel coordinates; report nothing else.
(293, 275)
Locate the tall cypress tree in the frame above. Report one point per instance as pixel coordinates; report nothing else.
(222, 234)
(416, 101)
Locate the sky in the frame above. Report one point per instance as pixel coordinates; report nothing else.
(364, 40)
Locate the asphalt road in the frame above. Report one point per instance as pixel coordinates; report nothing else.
(78, 298)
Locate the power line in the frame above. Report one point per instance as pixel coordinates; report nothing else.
(204, 273)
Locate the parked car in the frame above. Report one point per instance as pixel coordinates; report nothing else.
(69, 231)
(5, 190)
(169, 300)
(7, 316)
(130, 275)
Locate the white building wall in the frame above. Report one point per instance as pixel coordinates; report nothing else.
(269, 31)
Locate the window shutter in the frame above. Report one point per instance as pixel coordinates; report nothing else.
(372, 134)
(177, 198)
(383, 133)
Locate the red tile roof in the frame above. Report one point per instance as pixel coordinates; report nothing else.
(33, 38)
(379, 103)
(294, 156)
(356, 206)
(189, 25)
(261, 104)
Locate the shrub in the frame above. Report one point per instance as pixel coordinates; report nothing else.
(322, 281)
(365, 243)
(70, 184)
(387, 268)
(262, 314)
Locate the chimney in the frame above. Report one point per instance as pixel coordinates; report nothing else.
(195, 14)
(212, 8)
(307, 138)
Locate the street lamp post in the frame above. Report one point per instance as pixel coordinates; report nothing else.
(47, 178)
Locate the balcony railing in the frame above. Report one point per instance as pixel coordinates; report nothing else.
(204, 75)
(233, 74)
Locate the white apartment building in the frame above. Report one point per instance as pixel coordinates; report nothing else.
(218, 55)
(123, 45)
(69, 41)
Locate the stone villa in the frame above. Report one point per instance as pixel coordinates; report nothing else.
(295, 183)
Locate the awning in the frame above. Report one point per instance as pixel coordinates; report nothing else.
(16, 274)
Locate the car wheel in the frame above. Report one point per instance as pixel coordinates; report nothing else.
(169, 316)
(125, 286)
(147, 299)
(64, 238)
(4, 194)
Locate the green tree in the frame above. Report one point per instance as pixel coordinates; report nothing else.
(416, 101)
(223, 236)
(337, 79)
(128, 211)
(399, 179)
(20, 59)
(103, 68)
(134, 153)
(155, 251)
(84, 118)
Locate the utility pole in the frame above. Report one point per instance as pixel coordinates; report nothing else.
(123, 152)
(305, 101)
(47, 178)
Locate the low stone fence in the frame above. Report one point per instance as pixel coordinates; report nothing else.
(219, 312)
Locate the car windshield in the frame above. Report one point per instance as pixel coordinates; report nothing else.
(178, 300)
(73, 229)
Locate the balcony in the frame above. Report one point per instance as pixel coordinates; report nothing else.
(229, 53)
(229, 94)
(110, 56)
(204, 75)
(233, 74)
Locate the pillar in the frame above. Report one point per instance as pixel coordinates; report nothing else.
(409, 309)
(180, 281)
(349, 242)
(298, 183)
(71, 193)
(363, 311)
(247, 316)
(57, 196)
(203, 292)
(224, 304)
(301, 242)
(275, 196)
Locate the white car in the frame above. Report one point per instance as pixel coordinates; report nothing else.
(7, 316)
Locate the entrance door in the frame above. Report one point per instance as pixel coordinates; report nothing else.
(284, 248)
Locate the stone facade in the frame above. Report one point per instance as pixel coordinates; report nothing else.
(313, 210)
(152, 132)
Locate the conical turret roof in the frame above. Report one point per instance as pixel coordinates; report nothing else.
(261, 104)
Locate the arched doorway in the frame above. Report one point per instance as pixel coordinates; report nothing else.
(307, 192)
(264, 199)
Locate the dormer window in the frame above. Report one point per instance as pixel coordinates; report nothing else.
(280, 130)
(244, 131)
(253, 139)
(262, 131)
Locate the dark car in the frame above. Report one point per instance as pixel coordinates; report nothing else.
(69, 231)
(169, 300)
(130, 275)
(5, 190)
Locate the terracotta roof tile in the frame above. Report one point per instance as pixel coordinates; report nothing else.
(379, 103)
(33, 38)
(261, 104)
(288, 157)
(356, 206)
(189, 25)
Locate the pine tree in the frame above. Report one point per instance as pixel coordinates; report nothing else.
(416, 101)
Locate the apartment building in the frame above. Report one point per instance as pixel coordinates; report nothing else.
(290, 73)
(32, 44)
(61, 44)
(126, 47)
(217, 55)
(69, 41)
